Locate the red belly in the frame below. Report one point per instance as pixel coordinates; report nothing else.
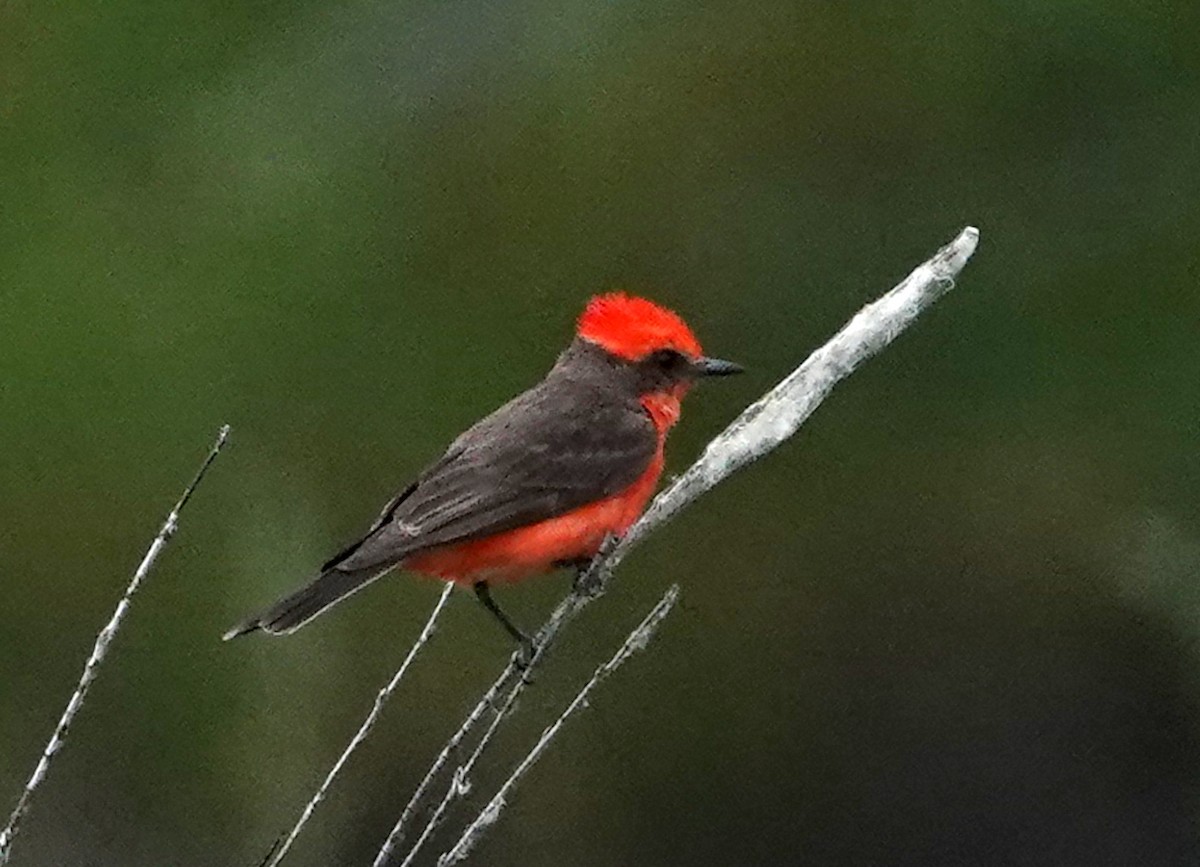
(534, 549)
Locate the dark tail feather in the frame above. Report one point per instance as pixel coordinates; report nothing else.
(292, 612)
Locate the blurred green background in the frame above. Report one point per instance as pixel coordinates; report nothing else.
(954, 621)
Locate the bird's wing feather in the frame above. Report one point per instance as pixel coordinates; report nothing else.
(548, 451)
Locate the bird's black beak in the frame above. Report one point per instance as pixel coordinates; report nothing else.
(715, 367)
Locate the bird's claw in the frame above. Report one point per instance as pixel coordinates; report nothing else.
(523, 657)
(589, 584)
(586, 584)
(606, 547)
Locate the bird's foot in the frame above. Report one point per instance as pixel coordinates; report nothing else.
(611, 540)
(523, 657)
(587, 584)
(588, 580)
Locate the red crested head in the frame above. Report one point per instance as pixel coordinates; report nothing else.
(632, 328)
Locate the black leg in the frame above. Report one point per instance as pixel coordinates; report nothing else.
(485, 596)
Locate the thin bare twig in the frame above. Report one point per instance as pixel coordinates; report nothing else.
(487, 700)
(364, 729)
(100, 651)
(759, 429)
(514, 678)
(636, 641)
(459, 785)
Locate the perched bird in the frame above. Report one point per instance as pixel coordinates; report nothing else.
(542, 481)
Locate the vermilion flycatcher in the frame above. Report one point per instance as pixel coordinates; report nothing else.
(542, 481)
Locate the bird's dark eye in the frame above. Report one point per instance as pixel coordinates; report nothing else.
(667, 359)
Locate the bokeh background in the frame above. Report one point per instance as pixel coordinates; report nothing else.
(954, 621)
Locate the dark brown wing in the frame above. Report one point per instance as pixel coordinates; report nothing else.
(554, 448)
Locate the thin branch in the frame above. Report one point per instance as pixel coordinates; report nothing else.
(367, 724)
(759, 429)
(514, 678)
(637, 640)
(100, 651)
(459, 784)
(489, 697)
